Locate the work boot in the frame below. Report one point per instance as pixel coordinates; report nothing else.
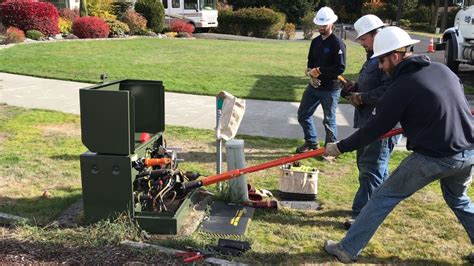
(348, 223)
(307, 146)
(334, 249)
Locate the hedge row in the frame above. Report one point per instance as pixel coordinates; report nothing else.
(293, 9)
(255, 22)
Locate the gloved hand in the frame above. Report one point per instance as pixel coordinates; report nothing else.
(332, 149)
(355, 99)
(314, 82)
(345, 83)
(314, 73)
(306, 71)
(348, 87)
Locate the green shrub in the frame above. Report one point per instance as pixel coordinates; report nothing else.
(308, 25)
(421, 14)
(290, 31)
(225, 22)
(405, 23)
(424, 27)
(293, 9)
(255, 22)
(119, 8)
(117, 28)
(154, 13)
(34, 34)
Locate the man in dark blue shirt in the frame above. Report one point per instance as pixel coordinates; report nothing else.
(326, 61)
(428, 100)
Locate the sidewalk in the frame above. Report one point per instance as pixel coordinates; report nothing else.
(262, 118)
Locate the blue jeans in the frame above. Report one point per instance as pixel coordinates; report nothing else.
(414, 173)
(372, 162)
(311, 99)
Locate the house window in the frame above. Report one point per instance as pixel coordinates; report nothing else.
(190, 4)
(175, 3)
(165, 4)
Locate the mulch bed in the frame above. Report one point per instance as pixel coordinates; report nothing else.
(14, 251)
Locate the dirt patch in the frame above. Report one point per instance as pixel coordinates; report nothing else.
(187, 146)
(3, 137)
(205, 153)
(25, 252)
(67, 129)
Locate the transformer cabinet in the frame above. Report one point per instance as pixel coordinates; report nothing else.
(115, 117)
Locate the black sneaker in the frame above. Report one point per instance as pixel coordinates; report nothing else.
(307, 146)
(348, 223)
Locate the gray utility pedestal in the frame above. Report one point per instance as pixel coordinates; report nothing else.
(235, 160)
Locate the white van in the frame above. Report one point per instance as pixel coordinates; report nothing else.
(202, 14)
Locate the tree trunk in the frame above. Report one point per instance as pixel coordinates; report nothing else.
(445, 15)
(434, 16)
(83, 8)
(399, 11)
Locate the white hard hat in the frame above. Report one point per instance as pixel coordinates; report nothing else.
(367, 24)
(391, 39)
(325, 16)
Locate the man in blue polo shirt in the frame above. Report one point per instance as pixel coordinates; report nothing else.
(326, 61)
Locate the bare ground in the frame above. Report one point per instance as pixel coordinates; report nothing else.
(24, 252)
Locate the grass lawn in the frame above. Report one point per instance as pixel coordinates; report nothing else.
(246, 69)
(270, 70)
(39, 150)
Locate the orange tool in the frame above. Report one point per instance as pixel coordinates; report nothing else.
(157, 161)
(209, 180)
